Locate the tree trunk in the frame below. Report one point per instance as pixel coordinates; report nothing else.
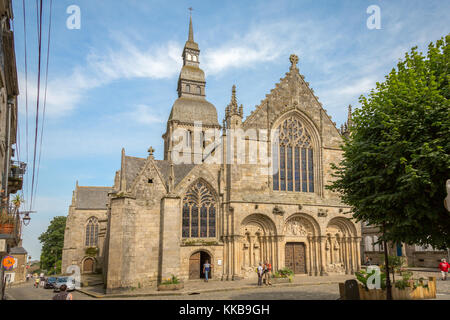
(388, 277)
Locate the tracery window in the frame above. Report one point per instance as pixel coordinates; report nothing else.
(199, 212)
(92, 232)
(293, 158)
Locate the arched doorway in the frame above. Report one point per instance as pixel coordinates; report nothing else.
(88, 265)
(196, 262)
(295, 257)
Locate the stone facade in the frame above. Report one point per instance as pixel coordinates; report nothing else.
(166, 218)
(87, 203)
(19, 271)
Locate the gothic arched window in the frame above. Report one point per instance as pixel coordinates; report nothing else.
(199, 212)
(92, 232)
(293, 158)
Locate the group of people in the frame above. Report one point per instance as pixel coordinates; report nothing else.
(39, 280)
(264, 272)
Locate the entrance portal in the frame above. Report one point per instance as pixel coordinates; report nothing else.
(196, 262)
(88, 265)
(295, 257)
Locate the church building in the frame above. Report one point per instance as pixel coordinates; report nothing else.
(205, 201)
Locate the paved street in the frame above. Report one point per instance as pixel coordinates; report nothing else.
(309, 292)
(306, 291)
(28, 292)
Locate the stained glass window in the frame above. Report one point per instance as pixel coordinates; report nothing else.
(186, 221)
(212, 221)
(203, 221)
(282, 169)
(92, 232)
(310, 170)
(293, 160)
(199, 212)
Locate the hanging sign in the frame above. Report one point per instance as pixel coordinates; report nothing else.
(8, 262)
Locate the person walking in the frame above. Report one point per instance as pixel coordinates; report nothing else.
(444, 266)
(267, 273)
(259, 270)
(63, 294)
(206, 269)
(36, 282)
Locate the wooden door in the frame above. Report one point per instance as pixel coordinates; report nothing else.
(295, 257)
(194, 266)
(88, 266)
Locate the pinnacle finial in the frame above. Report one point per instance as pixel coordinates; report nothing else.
(191, 29)
(294, 60)
(233, 93)
(151, 151)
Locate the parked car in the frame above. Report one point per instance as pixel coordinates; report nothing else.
(68, 281)
(50, 283)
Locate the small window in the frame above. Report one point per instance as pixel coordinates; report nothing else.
(194, 58)
(189, 57)
(150, 180)
(188, 88)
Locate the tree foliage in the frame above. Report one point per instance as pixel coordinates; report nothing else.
(52, 244)
(397, 158)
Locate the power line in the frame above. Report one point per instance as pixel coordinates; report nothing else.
(37, 100)
(45, 94)
(26, 93)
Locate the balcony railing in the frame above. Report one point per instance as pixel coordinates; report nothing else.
(15, 179)
(10, 226)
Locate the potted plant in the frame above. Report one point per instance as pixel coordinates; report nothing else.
(6, 223)
(172, 283)
(283, 276)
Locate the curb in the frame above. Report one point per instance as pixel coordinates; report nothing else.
(190, 292)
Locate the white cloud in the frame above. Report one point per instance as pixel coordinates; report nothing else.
(64, 93)
(142, 114)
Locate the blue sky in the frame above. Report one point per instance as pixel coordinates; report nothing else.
(112, 83)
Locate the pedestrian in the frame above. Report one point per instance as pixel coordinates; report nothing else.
(36, 282)
(267, 273)
(368, 261)
(259, 270)
(206, 269)
(63, 294)
(28, 277)
(444, 266)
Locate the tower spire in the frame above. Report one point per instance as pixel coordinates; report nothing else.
(191, 29)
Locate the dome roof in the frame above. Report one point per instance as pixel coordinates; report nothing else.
(191, 109)
(192, 73)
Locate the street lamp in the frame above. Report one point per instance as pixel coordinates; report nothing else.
(26, 219)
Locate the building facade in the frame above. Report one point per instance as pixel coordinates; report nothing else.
(86, 229)
(237, 194)
(413, 255)
(11, 176)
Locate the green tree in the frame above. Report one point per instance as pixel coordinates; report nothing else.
(52, 244)
(397, 158)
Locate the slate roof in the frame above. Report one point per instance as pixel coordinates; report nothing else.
(92, 197)
(18, 250)
(180, 170)
(134, 165)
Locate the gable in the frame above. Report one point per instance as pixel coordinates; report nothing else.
(293, 92)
